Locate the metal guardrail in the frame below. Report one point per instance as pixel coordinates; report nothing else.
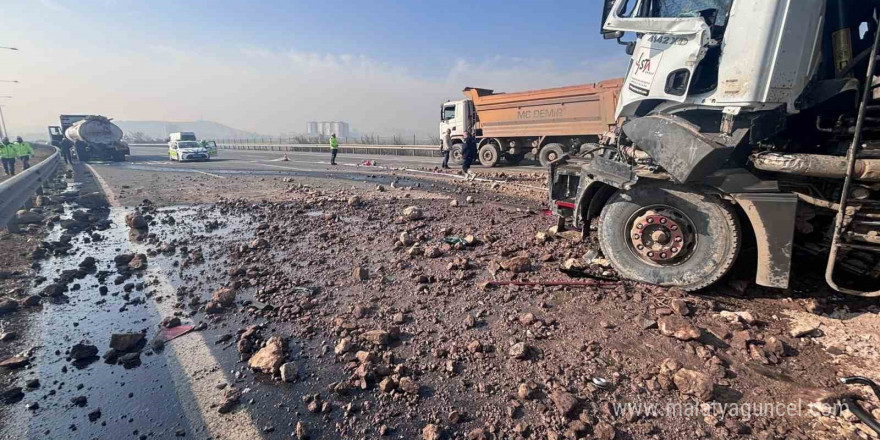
(385, 150)
(14, 192)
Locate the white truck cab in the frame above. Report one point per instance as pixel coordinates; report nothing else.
(458, 117)
(681, 55)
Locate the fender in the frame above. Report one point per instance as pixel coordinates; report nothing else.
(679, 147)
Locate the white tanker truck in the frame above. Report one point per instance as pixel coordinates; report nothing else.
(94, 137)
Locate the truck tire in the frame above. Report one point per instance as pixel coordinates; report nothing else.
(82, 154)
(549, 153)
(514, 159)
(118, 156)
(489, 155)
(455, 154)
(670, 236)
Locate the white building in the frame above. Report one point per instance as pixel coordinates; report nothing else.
(312, 128)
(326, 128)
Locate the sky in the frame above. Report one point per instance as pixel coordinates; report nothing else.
(269, 66)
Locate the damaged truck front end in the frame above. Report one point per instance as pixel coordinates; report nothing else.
(752, 121)
(675, 220)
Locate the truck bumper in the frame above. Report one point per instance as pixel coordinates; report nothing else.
(579, 187)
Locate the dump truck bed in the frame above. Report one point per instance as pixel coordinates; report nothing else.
(586, 109)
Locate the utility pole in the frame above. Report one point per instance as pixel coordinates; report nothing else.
(3, 122)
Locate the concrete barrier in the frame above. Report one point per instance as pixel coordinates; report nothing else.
(15, 192)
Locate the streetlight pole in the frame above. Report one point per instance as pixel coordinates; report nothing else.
(2, 119)
(3, 122)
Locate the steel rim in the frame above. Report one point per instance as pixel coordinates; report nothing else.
(488, 155)
(661, 235)
(457, 154)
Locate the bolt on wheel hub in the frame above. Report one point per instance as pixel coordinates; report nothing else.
(661, 235)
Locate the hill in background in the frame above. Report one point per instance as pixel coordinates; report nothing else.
(145, 131)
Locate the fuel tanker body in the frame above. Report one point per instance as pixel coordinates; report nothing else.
(95, 138)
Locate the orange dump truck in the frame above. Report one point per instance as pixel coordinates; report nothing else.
(548, 123)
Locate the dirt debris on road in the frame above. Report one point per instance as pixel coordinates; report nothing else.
(345, 311)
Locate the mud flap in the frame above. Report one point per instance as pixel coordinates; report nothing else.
(679, 147)
(772, 217)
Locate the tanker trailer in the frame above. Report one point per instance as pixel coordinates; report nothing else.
(96, 138)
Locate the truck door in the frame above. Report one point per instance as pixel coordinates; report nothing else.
(674, 37)
(449, 118)
(212, 148)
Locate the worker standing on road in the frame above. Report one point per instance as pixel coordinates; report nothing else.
(446, 148)
(65, 147)
(8, 153)
(24, 151)
(469, 154)
(334, 148)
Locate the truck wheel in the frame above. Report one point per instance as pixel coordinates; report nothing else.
(549, 153)
(514, 159)
(669, 236)
(489, 155)
(455, 154)
(81, 154)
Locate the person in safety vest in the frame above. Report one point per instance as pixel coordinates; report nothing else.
(25, 151)
(8, 153)
(334, 148)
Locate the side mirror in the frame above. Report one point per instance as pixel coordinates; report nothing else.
(614, 35)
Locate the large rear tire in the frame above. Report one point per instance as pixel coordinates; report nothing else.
(456, 156)
(549, 153)
(82, 153)
(489, 155)
(670, 236)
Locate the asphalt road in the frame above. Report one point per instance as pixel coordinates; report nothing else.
(227, 161)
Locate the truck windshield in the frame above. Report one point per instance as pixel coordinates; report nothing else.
(448, 112)
(188, 145)
(691, 8)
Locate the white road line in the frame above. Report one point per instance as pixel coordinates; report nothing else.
(111, 196)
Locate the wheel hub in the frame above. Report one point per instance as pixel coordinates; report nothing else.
(661, 236)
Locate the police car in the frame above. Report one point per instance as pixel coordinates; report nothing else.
(187, 150)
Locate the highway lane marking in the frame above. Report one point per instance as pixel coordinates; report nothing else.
(111, 196)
